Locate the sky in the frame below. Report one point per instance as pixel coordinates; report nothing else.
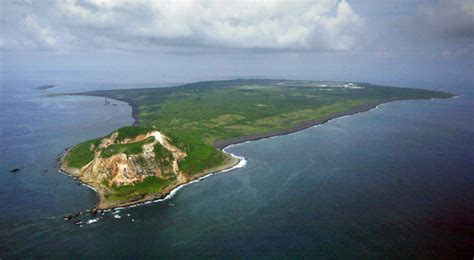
(388, 41)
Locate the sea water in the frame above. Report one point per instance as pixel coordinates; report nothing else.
(394, 181)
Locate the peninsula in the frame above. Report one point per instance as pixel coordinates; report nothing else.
(179, 132)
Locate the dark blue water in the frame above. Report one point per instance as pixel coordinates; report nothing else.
(395, 181)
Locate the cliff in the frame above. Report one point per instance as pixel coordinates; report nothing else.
(140, 163)
(131, 165)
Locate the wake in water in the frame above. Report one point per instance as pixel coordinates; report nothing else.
(242, 163)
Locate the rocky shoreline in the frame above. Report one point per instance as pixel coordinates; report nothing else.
(233, 161)
(224, 143)
(104, 204)
(307, 124)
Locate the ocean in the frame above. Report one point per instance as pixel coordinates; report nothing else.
(397, 181)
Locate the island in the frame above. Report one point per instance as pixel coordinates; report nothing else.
(44, 87)
(180, 132)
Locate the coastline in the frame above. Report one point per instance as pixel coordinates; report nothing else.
(234, 161)
(222, 144)
(169, 191)
(308, 124)
(301, 126)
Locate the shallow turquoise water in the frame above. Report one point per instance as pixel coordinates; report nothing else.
(395, 181)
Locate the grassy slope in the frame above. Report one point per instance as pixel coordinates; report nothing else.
(129, 148)
(81, 154)
(149, 185)
(197, 115)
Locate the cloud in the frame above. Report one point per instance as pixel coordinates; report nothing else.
(449, 19)
(43, 35)
(145, 25)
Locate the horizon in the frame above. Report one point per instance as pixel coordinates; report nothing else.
(248, 128)
(396, 43)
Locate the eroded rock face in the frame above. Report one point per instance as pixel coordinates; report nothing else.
(125, 169)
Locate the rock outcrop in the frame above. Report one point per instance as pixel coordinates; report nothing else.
(131, 165)
(158, 157)
(124, 162)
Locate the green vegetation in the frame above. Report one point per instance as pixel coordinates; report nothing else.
(199, 114)
(196, 116)
(82, 154)
(163, 156)
(149, 185)
(132, 132)
(201, 155)
(128, 148)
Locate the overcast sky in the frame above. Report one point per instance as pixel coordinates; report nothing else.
(368, 40)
